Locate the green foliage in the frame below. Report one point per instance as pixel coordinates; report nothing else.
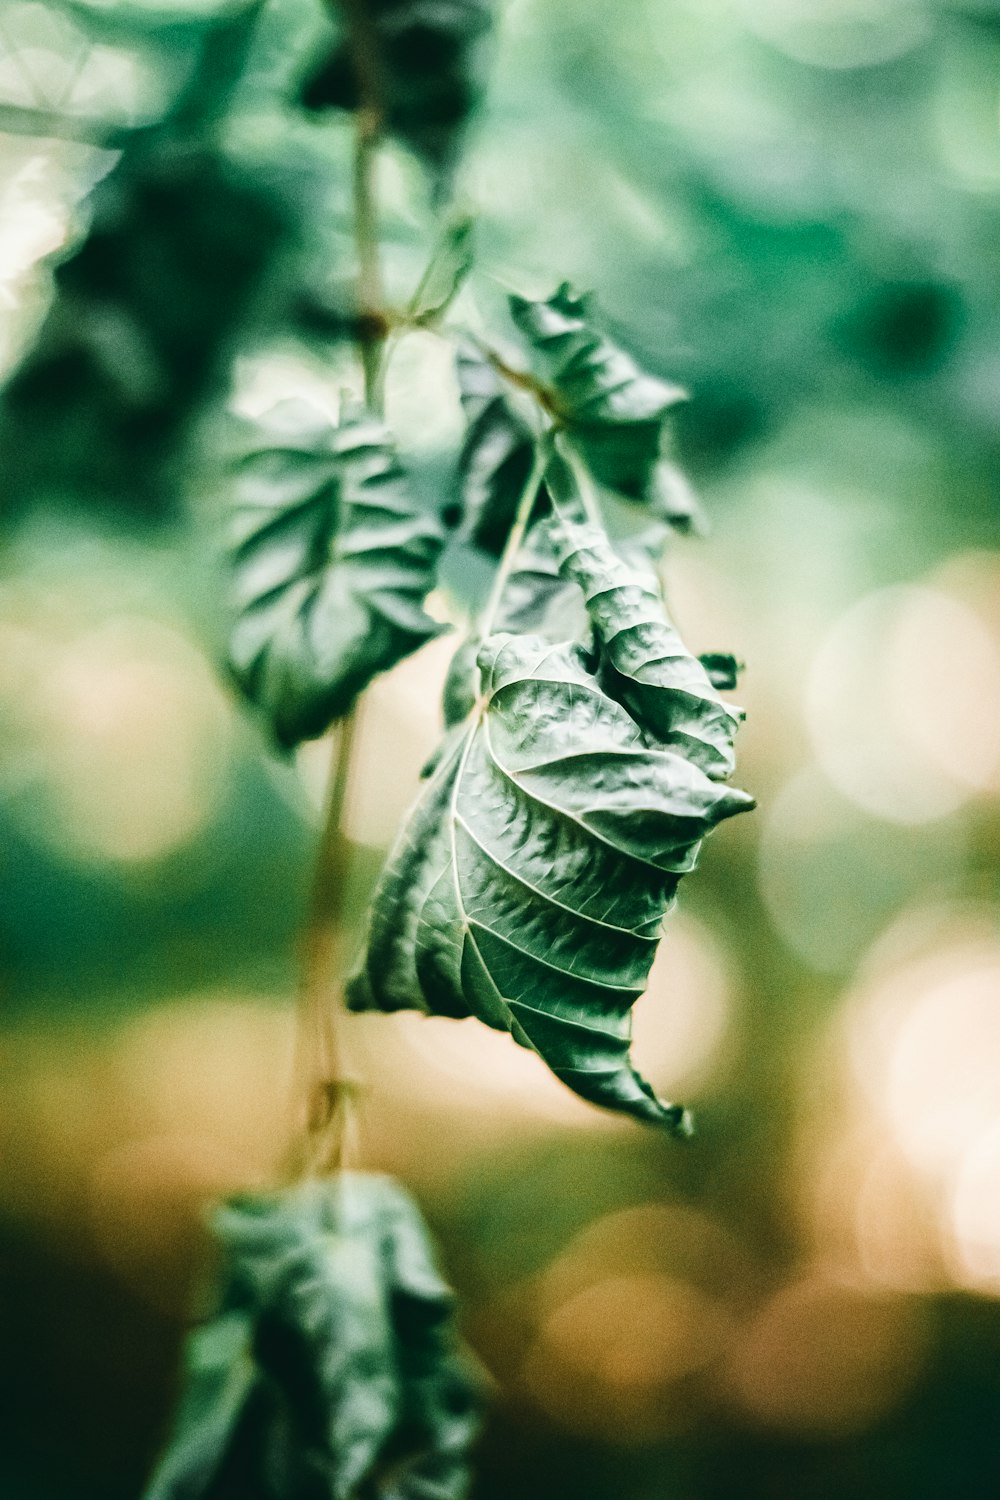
(529, 884)
(422, 63)
(330, 1367)
(141, 330)
(612, 409)
(332, 560)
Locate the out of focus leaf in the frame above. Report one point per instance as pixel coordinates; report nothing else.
(530, 882)
(723, 669)
(330, 1369)
(332, 561)
(98, 72)
(450, 263)
(614, 412)
(182, 249)
(425, 59)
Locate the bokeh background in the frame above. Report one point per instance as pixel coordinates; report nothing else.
(792, 206)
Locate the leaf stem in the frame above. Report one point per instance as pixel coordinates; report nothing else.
(512, 547)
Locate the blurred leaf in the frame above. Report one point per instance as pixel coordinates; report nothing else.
(451, 261)
(185, 251)
(330, 1368)
(613, 411)
(332, 560)
(99, 72)
(723, 669)
(425, 60)
(529, 885)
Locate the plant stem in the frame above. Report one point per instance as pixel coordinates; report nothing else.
(319, 1078)
(369, 120)
(319, 1075)
(366, 240)
(515, 538)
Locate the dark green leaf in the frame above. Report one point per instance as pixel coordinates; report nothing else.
(529, 886)
(332, 561)
(614, 411)
(427, 63)
(180, 259)
(330, 1368)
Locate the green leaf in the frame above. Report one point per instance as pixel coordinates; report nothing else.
(332, 561)
(643, 663)
(529, 885)
(497, 455)
(180, 265)
(613, 411)
(331, 1367)
(427, 63)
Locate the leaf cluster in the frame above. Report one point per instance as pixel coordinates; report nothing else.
(329, 1368)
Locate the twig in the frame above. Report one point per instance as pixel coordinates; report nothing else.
(369, 121)
(319, 1078)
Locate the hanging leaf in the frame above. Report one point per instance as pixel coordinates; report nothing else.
(613, 411)
(330, 1368)
(529, 885)
(497, 455)
(426, 63)
(332, 561)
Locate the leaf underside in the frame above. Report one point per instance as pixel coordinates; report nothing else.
(332, 560)
(330, 1368)
(529, 885)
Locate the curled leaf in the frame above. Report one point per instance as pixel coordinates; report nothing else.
(332, 560)
(529, 885)
(614, 411)
(644, 664)
(330, 1367)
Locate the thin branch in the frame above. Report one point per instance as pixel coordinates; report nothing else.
(319, 1078)
(369, 123)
